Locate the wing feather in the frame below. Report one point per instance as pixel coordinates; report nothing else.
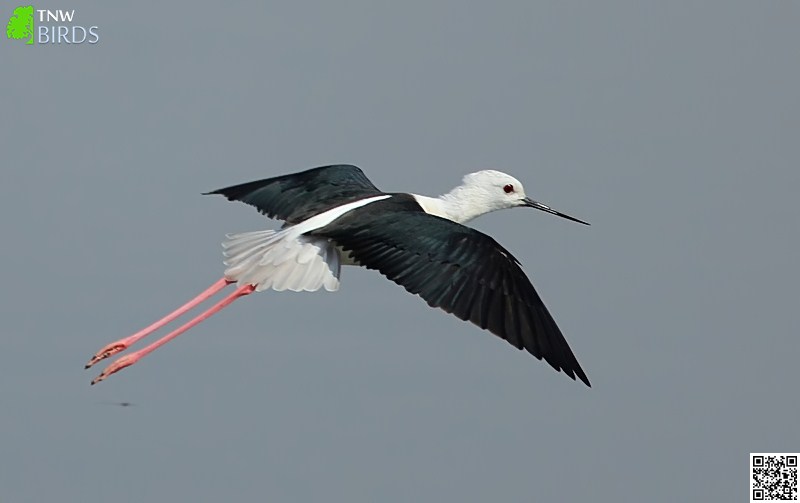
(460, 270)
(298, 196)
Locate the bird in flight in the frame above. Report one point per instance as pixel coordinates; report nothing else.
(334, 216)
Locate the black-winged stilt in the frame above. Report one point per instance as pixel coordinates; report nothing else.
(335, 216)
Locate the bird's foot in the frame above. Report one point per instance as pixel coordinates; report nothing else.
(109, 350)
(117, 365)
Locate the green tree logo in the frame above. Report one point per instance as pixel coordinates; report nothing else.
(20, 24)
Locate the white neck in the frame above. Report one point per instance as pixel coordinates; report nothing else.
(456, 205)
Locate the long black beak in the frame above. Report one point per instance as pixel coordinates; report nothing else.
(539, 206)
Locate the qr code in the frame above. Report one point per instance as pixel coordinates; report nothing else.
(773, 477)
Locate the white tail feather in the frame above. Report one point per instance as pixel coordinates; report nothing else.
(281, 260)
(288, 259)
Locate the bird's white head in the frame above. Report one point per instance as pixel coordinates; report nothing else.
(489, 190)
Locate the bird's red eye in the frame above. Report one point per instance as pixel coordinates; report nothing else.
(508, 189)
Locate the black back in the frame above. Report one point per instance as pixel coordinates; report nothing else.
(299, 196)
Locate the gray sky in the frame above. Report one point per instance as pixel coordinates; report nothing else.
(673, 128)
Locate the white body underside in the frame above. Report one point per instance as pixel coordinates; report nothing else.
(287, 259)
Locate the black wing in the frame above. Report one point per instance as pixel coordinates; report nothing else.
(460, 270)
(298, 196)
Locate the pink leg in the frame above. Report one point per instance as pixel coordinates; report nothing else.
(130, 359)
(123, 344)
